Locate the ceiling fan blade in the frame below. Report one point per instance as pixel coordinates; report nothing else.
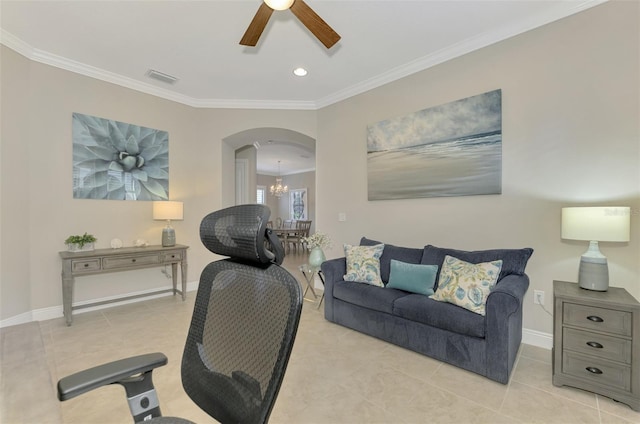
(315, 23)
(257, 25)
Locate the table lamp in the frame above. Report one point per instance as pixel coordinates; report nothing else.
(167, 210)
(594, 224)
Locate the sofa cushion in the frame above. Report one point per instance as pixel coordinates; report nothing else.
(514, 261)
(414, 278)
(404, 254)
(367, 296)
(465, 284)
(363, 264)
(446, 316)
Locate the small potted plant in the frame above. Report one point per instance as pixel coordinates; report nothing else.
(316, 242)
(81, 243)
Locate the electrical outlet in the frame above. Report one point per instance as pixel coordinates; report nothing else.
(538, 297)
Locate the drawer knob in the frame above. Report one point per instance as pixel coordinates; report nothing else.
(86, 265)
(595, 318)
(133, 260)
(594, 370)
(595, 345)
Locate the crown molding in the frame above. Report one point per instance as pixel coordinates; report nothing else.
(469, 45)
(41, 56)
(31, 53)
(254, 104)
(15, 44)
(562, 10)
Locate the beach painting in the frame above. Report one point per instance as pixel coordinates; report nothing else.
(453, 149)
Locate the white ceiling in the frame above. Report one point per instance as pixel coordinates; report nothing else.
(197, 42)
(280, 157)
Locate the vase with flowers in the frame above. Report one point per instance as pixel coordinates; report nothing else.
(316, 242)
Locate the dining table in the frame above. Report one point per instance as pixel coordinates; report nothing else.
(284, 234)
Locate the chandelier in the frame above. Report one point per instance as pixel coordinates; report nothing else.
(278, 189)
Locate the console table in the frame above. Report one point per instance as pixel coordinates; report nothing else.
(101, 261)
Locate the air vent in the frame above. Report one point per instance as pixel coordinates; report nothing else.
(161, 76)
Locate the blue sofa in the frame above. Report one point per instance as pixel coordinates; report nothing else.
(486, 345)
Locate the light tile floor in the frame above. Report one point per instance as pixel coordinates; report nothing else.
(335, 375)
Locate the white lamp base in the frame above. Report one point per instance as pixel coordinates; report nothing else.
(593, 275)
(594, 271)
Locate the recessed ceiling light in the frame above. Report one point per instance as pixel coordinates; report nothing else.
(300, 72)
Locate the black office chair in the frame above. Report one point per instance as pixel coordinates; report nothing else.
(241, 335)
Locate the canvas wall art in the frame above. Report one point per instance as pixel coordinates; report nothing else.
(298, 204)
(453, 149)
(119, 161)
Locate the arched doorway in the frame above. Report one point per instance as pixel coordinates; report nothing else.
(243, 173)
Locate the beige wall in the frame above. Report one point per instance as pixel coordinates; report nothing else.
(39, 211)
(571, 136)
(15, 272)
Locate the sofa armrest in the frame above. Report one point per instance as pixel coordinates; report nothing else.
(504, 325)
(508, 294)
(333, 270)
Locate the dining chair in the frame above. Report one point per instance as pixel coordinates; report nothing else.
(302, 231)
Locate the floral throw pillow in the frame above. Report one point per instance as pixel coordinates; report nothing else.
(363, 264)
(465, 284)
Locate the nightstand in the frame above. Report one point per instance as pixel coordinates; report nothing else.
(596, 341)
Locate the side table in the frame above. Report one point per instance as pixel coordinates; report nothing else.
(309, 272)
(596, 341)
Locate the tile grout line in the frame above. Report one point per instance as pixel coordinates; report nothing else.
(598, 409)
(513, 373)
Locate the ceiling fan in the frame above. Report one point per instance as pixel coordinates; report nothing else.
(303, 12)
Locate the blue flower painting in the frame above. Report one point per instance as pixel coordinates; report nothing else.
(453, 149)
(119, 161)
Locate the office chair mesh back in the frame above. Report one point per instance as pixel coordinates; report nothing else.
(244, 322)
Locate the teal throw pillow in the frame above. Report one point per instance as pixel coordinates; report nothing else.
(465, 284)
(414, 278)
(363, 264)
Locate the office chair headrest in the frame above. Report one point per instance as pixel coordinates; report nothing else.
(240, 233)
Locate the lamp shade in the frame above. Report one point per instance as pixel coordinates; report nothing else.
(609, 223)
(167, 210)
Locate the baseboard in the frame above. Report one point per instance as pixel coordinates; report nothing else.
(537, 338)
(53, 312)
(18, 319)
(531, 337)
